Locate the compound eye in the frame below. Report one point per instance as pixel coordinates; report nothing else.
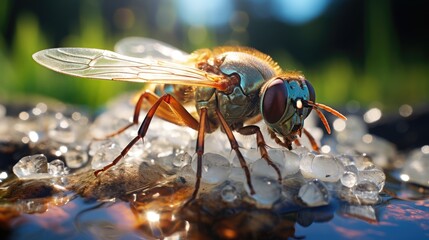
(274, 101)
(311, 91)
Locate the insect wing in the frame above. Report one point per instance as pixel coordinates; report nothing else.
(150, 49)
(108, 65)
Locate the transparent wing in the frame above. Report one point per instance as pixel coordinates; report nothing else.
(150, 48)
(104, 64)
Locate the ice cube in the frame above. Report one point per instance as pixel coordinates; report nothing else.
(31, 165)
(63, 131)
(416, 167)
(374, 175)
(349, 178)
(267, 190)
(181, 160)
(173, 161)
(56, 167)
(105, 154)
(301, 151)
(249, 154)
(363, 161)
(305, 165)
(327, 168)
(262, 168)
(314, 193)
(237, 174)
(291, 162)
(381, 151)
(346, 159)
(215, 168)
(353, 131)
(75, 157)
(366, 192)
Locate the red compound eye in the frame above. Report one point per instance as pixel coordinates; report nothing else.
(274, 102)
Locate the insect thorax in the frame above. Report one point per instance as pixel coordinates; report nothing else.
(242, 103)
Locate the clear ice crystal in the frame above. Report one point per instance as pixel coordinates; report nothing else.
(215, 168)
(327, 168)
(350, 175)
(105, 154)
(267, 190)
(305, 165)
(75, 157)
(380, 150)
(301, 151)
(291, 162)
(374, 175)
(262, 168)
(237, 174)
(314, 193)
(181, 160)
(31, 166)
(354, 129)
(416, 168)
(173, 160)
(366, 192)
(63, 131)
(56, 168)
(363, 162)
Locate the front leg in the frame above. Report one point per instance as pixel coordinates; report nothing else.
(252, 129)
(235, 147)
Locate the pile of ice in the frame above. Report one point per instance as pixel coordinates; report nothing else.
(336, 172)
(51, 127)
(37, 167)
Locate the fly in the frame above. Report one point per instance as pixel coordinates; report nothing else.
(229, 87)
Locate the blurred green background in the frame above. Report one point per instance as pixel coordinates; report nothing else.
(374, 52)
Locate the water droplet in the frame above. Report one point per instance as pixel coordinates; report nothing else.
(229, 193)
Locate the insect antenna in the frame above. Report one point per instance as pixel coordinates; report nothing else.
(318, 106)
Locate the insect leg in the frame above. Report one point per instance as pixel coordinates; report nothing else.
(200, 151)
(313, 142)
(167, 112)
(252, 129)
(285, 144)
(173, 105)
(152, 98)
(235, 147)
